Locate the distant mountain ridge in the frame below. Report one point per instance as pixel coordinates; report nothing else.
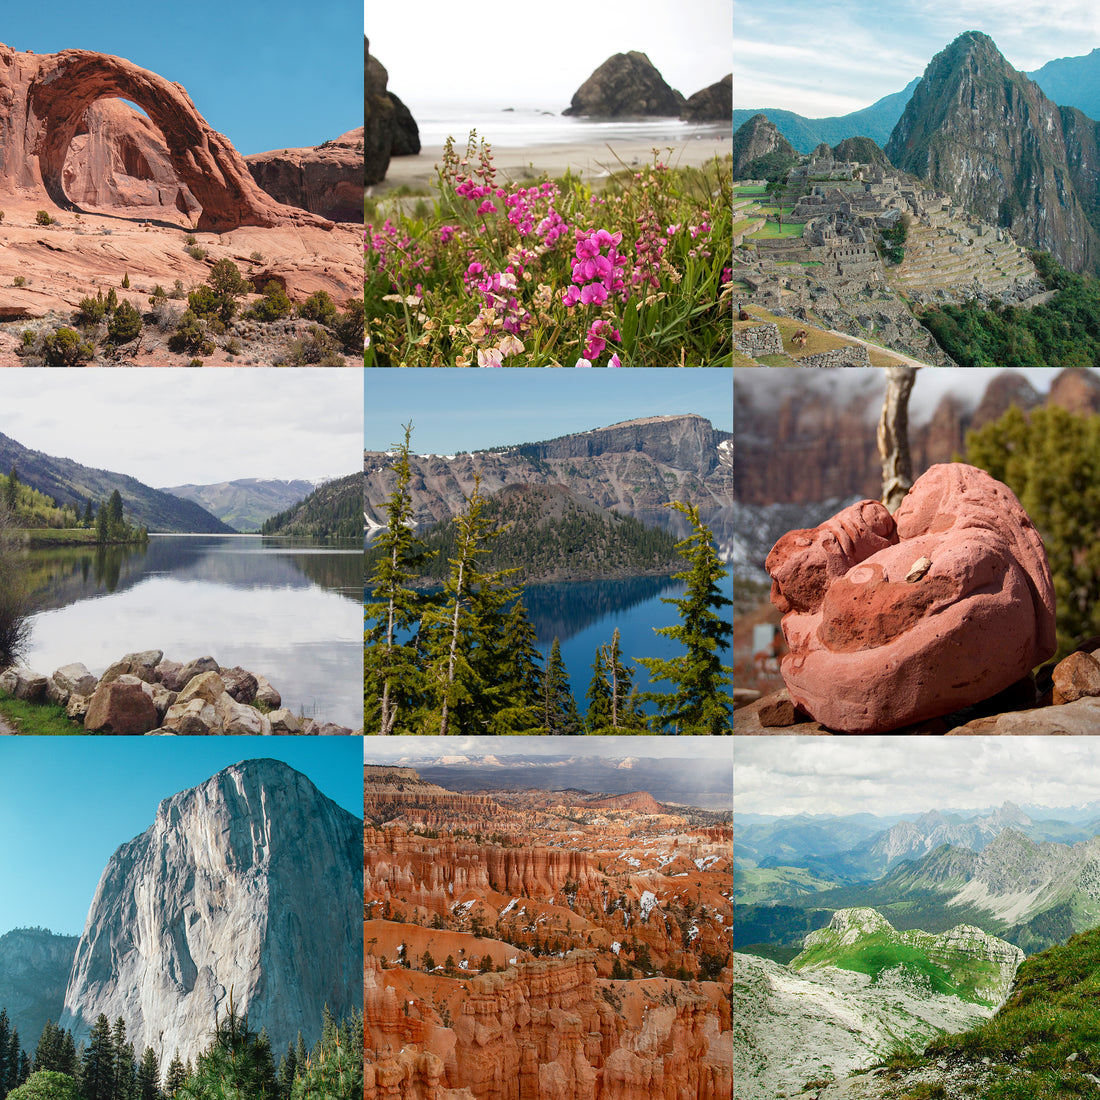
(332, 510)
(34, 970)
(633, 468)
(69, 482)
(245, 503)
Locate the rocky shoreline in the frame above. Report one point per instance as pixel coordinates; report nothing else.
(143, 693)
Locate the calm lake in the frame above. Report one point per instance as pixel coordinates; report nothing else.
(288, 609)
(583, 615)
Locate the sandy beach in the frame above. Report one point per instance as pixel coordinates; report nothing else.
(589, 160)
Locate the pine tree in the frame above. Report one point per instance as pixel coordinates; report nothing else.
(618, 709)
(461, 634)
(559, 709)
(288, 1065)
(598, 695)
(124, 1063)
(11, 489)
(102, 524)
(391, 673)
(88, 518)
(115, 522)
(515, 661)
(699, 704)
(176, 1076)
(7, 1070)
(236, 1066)
(47, 1055)
(97, 1077)
(148, 1077)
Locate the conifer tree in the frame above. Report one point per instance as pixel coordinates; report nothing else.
(148, 1077)
(391, 673)
(617, 707)
(175, 1077)
(48, 1053)
(97, 1076)
(598, 695)
(7, 1070)
(559, 709)
(11, 489)
(124, 1062)
(236, 1066)
(516, 662)
(699, 704)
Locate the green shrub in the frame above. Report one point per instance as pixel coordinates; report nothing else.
(126, 281)
(349, 327)
(319, 307)
(19, 280)
(191, 335)
(227, 282)
(255, 257)
(125, 325)
(177, 290)
(319, 349)
(91, 310)
(203, 302)
(65, 348)
(196, 252)
(157, 292)
(43, 218)
(274, 304)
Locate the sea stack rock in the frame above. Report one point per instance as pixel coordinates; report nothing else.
(626, 84)
(712, 104)
(249, 884)
(892, 620)
(389, 127)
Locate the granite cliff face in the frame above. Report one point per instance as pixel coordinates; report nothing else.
(34, 969)
(248, 884)
(980, 130)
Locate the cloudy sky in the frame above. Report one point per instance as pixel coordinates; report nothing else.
(894, 775)
(66, 804)
(173, 427)
(835, 56)
(268, 76)
(469, 410)
(388, 750)
(539, 54)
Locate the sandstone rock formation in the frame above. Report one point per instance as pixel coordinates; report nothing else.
(595, 887)
(326, 180)
(892, 620)
(248, 883)
(45, 97)
(118, 159)
(711, 104)
(625, 84)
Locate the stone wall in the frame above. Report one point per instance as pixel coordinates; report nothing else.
(762, 339)
(848, 356)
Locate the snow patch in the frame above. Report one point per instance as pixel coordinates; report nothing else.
(647, 903)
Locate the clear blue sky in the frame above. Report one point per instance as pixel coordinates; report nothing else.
(840, 56)
(266, 73)
(66, 804)
(467, 410)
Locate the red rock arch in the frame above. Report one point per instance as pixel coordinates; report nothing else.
(52, 92)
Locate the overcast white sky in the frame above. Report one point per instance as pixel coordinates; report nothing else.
(893, 775)
(834, 56)
(539, 54)
(171, 427)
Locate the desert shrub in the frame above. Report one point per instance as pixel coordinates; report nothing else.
(190, 239)
(195, 363)
(91, 310)
(125, 325)
(203, 302)
(126, 281)
(228, 284)
(177, 290)
(191, 335)
(349, 327)
(157, 292)
(19, 280)
(43, 218)
(111, 301)
(196, 252)
(255, 257)
(273, 306)
(165, 315)
(66, 348)
(318, 349)
(318, 307)
(233, 346)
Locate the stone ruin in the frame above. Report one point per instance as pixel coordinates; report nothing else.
(894, 619)
(43, 98)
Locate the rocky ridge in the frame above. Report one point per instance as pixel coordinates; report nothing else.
(982, 131)
(219, 895)
(34, 971)
(633, 468)
(142, 693)
(626, 84)
(757, 138)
